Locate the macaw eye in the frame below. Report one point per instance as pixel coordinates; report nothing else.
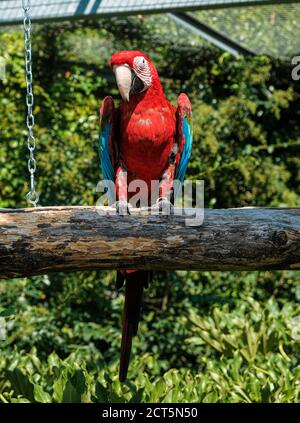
(140, 62)
(142, 71)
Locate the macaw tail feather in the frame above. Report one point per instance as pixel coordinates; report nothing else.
(135, 282)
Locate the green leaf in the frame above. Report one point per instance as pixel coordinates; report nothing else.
(40, 395)
(74, 388)
(6, 312)
(137, 397)
(101, 393)
(21, 384)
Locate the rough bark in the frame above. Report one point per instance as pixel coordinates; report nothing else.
(44, 240)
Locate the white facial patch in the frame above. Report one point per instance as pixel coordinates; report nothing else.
(142, 70)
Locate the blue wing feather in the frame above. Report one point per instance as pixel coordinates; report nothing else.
(108, 172)
(106, 145)
(184, 139)
(186, 153)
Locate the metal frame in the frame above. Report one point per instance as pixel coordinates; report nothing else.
(213, 36)
(59, 10)
(55, 10)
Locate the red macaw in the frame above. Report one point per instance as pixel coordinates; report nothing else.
(148, 139)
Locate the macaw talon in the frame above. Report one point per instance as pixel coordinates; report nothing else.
(123, 208)
(163, 205)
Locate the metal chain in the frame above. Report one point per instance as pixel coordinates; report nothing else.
(32, 196)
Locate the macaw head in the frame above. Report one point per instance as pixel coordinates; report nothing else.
(134, 72)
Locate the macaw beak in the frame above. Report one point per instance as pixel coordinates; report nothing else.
(124, 80)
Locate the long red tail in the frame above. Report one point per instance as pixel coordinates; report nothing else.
(134, 286)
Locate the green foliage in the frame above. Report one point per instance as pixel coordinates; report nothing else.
(244, 354)
(204, 337)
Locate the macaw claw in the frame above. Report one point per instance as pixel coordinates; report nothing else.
(163, 205)
(123, 208)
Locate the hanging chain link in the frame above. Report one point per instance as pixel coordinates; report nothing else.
(32, 196)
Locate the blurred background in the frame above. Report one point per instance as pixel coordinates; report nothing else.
(204, 336)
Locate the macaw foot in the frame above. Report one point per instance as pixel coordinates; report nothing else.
(123, 208)
(163, 205)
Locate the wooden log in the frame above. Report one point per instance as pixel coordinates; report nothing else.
(50, 239)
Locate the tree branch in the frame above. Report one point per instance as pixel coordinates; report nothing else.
(50, 239)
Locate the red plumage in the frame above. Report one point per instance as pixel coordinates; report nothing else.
(148, 134)
(146, 141)
(147, 126)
